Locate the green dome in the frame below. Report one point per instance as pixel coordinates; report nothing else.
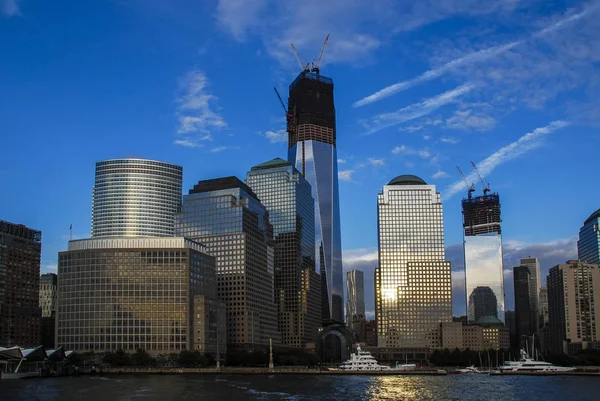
(407, 179)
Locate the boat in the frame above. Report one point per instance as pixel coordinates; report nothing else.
(364, 361)
(469, 369)
(527, 364)
(405, 366)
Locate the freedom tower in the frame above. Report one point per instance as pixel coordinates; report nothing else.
(312, 150)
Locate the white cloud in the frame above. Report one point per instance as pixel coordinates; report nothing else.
(470, 58)
(352, 257)
(195, 111)
(49, 268)
(219, 149)
(238, 16)
(524, 144)
(446, 139)
(10, 8)
(376, 162)
(440, 174)
(345, 175)
(280, 135)
(404, 150)
(341, 161)
(416, 110)
(426, 137)
(466, 120)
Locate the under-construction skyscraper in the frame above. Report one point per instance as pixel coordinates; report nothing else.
(312, 150)
(483, 255)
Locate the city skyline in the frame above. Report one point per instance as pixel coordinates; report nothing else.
(199, 94)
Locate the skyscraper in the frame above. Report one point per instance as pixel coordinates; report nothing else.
(227, 216)
(574, 308)
(20, 253)
(135, 198)
(523, 313)
(588, 245)
(132, 293)
(483, 252)
(312, 150)
(287, 196)
(534, 290)
(412, 283)
(543, 306)
(355, 287)
(48, 291)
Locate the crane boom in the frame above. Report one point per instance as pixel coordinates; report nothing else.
(280, 100)
(302, 68)
(470, 188)
(486, 189)
(318, 65)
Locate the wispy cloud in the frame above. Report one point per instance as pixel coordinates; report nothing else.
(416, 110)
(195, 111)
(345, 175)
(189, 143)
(341, 161)
(10, 8)
(277, 136)
(376, 162)
(219, 149)
(440, 174)
(470, 58)
(467, 120)
(450, 140)
(408, 151)
(523, 145)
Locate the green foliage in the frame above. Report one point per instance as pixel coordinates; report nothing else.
(141, 358)
(117, 358)
(194, 359)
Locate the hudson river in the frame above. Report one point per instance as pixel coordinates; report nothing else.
(345, 388)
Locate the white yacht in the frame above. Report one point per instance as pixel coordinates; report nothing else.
(526, 364)
(363, 360)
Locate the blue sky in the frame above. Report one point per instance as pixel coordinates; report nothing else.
(420, 88)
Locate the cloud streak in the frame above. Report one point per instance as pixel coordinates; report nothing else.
(10, 8)
(474, 57)
(416, 110)
(523, 145)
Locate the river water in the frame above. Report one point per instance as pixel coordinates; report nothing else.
(345, 388)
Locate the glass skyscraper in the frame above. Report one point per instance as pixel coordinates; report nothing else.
(413, 281)
(287, 196)
(135, 198)
(227, 216)
(588, 245)
(483, 257)
(355, 288)
(312, 150)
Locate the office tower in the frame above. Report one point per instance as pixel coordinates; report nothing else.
(511, 325)
(355, 287)
(534, 290)
(355, 304)
(20, 252)
(483, 254)
(48, 287)
(132, 293)
(482, 303)
(588, 245)
(287, 196)
(412, 283)
(523, 307)
(312, 150)
(226, 216)
(574, 310)
(135, 198)
(543, 306)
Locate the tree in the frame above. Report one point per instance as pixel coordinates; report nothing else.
(141, 358)
(117, 358)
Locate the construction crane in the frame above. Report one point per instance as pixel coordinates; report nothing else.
(317, 66)
(285, 110)
(471, 188)
(486, 188)
(302, 66)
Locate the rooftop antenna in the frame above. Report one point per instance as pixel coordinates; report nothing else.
(302, 66)
(317, 66)
(486, 189)
(471, 188)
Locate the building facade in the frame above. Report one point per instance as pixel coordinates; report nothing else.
(312, 150)
(355, 288)
(20, 253)
(412, 283)
(490, 335)
(574, 311)
(535, 286)
(523, 305)
(48, 291)
(543, 306)
(288, 198)
(135, 198)
(132, 293)
(483, 255)
(588, 245)
(226, 215)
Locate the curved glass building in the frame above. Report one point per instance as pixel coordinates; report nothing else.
(312, 150)
(135, 198)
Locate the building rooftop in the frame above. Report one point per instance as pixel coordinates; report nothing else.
(218, 184)
(593, 216)
(407, 179)
(277, 162)
(487, 321)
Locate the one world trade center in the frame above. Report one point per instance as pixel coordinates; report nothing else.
(312, 149)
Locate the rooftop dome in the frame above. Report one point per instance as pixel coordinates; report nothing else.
(593, 216)
(407, 179)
